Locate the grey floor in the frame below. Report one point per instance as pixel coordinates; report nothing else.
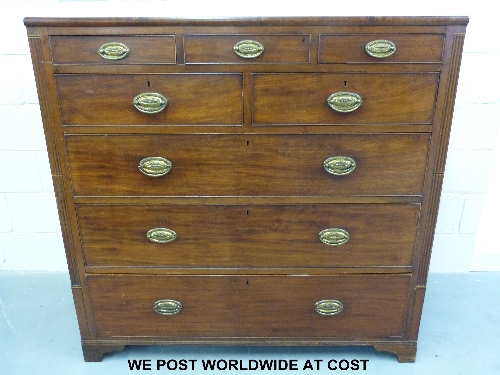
(459, 334)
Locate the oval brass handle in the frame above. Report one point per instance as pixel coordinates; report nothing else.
(155, 166)
(167, 307)
(334, 236)
(113, 51)
(161, 235)
(248, 49)
(344, 101)
(329, 307)
(380, 48)
(150, 102)
(339, 165)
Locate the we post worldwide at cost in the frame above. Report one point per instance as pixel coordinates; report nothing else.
(247, 365)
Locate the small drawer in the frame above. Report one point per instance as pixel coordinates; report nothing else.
(113, 49)
(303, 99)
(330, 235)
(247, 165)
(246, 49)
(360, 307)
(180, 99)
(381, 48)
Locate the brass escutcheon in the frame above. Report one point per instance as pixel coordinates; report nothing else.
(329, 307)
(167, 307)
(150, 102)
(380, 48)
(248, 49)
(344, 101)
(113, 51)
(155, 166)
(161, 235)
(334, 236)
(339, 165)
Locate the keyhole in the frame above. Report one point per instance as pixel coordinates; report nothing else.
(248, 142)
(248, 212)
(149, 84)
(345, 83)
(247, 283)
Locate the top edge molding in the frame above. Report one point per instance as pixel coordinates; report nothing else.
(274, 21)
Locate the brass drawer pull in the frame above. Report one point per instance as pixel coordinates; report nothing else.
(344, 101)
(150, 102)
(113, 51)
(380, 48)
(334, 236)
(328, 307)
(155, 166)
(161, 235)
(167, 307)
(339, 165)
(248, 49)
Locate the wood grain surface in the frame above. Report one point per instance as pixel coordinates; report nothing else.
(249, 306)
(219, 49)
(143, 49)
(250, 165)
(280, 99)
(249, 235)
(410, 48)
(193, 99)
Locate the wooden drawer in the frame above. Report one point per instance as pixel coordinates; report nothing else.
(141, 49)
(249, 236)
(206, 49)
(250, 165)
(346, 48)
(301, 99)
(193, 99)
(249, 306)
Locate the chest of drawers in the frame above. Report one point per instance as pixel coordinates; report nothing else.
(251, 181)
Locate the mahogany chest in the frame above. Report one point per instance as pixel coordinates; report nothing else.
(267, 181)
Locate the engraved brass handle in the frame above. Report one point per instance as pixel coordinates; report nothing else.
(167, 307)
(248, 49)
(150, 102)
(161, 235)
(155, 166)
(329, 307)
(113, 51)
(339, 165)
(344, 101)
(380, 48)
(334, 236)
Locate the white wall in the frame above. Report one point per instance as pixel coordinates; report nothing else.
(30, 236)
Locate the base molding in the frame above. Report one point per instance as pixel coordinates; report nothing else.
(93, 350)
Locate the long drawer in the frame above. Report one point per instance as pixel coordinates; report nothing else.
(302, 99)
(333, 235)
(191, 99)
(250, 165)
(249, 306)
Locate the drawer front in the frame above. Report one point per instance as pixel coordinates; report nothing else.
(249, 306)
(115, 50)
(406, 48)
(302, 99)
(192, 99)
(206, 49)
(250, 165)
(249, 236)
